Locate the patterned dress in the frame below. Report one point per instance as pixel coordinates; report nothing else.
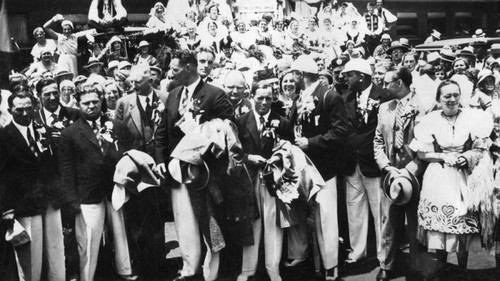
(443, 218)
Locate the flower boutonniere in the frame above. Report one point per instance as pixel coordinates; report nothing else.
(269, 130)
(158, 108)
(107, 134)
(244, 109)
(371, 105)
(410, 112)
(307, 107)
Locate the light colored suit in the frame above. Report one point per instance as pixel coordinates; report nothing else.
(386, 154)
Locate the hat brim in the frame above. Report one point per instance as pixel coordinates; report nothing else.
(71, 75)
(92, 64)
(389, 179)
(391, 49)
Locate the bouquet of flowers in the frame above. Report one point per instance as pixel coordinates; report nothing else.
(48, 136)
(371, 105)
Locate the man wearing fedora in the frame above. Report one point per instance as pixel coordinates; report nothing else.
(435, 36)
(140, 112)
(396, 52)
(447, 57)
(94, 67)
(361, 171)
(192, 103)
(320, 127)
(396, 120)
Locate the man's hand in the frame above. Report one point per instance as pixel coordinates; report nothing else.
(257, 160)
(389, 168)
(302, 143)
(160, 170)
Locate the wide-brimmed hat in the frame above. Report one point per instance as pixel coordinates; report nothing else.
(327, 74)
(63, 73)
(436, 34)
(447, 55)
(305, 63)
(195, 177)
(115, 39)
(396, 45)
(360, 65)
(156, 68)
(80, 79)
(93, 61)
(400, 186)
(67, 22)
(124, 64)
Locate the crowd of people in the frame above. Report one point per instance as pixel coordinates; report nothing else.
(288, 130)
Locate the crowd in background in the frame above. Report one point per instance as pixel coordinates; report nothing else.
(332, 118)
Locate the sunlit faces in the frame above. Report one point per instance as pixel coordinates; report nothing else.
(39, 35)
(22, 110)
(205, 63)
(449, 98)
(241, 27)
(66, 93)
(235, 86)
(263, 99)
(263, 25)
(141, 82)
(487, 85)
(214, 12)
(90, 106)
(180, 72)
(212, 28)
(294, 26)
(459, 66)
(410, 62)
(49, 97)
(66, 29)
(288, 84)
(378, 75)
(111, 95)
(324, 80)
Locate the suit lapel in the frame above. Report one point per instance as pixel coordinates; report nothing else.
(87, 133)
(252, 128)
(136, 114)
(351, 104)
(17, 138)
(198, 91)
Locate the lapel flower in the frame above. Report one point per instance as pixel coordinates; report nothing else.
(107, 134)
(41, 131)
(59, 125)
(275, 123)
(244, 109)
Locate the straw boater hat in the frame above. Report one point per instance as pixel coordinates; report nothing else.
(360, 65)
(92, 62)
(62, 74)
(436, 34)
(495, 48)
(143, 43)
(447, 55)
(466, 52)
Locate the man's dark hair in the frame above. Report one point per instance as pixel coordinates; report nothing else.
(209, 50)
(403, 73)
(44, 82)
(87, 89)
(185, 57)
(259, 85)
(20, 95)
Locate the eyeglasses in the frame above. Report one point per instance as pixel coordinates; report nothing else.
(386, 84)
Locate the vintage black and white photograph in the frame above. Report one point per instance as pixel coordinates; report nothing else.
(249, 140)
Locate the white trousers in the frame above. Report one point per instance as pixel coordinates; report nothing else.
(273, 238)
(363, 193)
(327, 230)
(29, 255)
(188, 233)
(123, 264)
(54, 245)
(89, 226)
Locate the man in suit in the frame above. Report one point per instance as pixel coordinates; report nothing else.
(21, 195)
(396, 121)
(88, 152)
(362, 172)
(320, 127)
(205, 57)
(235, 86)
(257, 148)
(141, 112)
(50, 120)
(187, 106)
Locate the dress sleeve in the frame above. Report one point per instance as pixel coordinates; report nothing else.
(481, 126)
(422, 142)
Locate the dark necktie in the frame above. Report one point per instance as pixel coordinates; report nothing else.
(262, 124)
(32, 143)
(54, 119)
(95, 129)
(359, 110)
(149, 112)
(398, 141)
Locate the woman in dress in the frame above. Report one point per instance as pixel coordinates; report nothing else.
(114, 50)
(289, 91)
(42, 43)
(451, 141)
(144, 57)
(294, 37)
(485, 90)
(191, 40)
(213, 38)
(157, 17)
(313, 35)
(241, 41)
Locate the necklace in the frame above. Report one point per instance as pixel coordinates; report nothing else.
(451, 121)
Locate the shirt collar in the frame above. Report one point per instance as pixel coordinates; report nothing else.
(143, 98)
(98, 122)
(404, 101)
(193, 86)
(49, 114)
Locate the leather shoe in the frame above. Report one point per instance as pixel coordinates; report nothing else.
(184, 278)
(383, 275)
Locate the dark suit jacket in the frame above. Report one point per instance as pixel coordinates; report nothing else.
(19, 173)
(213, 101)
(49, 176)
(127, 110)
(86, 171)
(359, 148)
(251, 141)
(326, 130)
